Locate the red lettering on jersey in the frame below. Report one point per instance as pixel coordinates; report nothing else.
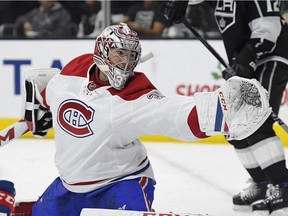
(74, 117)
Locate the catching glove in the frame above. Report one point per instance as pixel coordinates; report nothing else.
(7, 200)
(238, 108)
(244, 64)
(174, 10)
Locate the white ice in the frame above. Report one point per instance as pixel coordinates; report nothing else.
(191, 178)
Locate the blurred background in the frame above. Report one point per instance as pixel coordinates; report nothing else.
(43, 34)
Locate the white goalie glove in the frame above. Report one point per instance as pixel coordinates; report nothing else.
(237, 109)
(34, 112)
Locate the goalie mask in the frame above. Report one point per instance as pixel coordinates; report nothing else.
(117, 52)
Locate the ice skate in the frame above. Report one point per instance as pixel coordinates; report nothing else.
(255, 193)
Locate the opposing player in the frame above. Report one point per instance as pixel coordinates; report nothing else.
(255, 39)
(100, 106)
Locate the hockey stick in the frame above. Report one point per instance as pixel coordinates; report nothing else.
(19, 128)
(188, 25)
(13, 132)
(204, 42)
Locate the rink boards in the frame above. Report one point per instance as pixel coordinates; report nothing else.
(4, 123)
(189, 68)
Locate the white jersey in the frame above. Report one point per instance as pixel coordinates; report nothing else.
(97, 129)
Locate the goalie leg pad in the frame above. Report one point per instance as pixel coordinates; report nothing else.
(237, 109)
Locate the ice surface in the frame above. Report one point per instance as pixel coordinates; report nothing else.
(191, 178)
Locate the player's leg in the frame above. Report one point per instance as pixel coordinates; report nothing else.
(267, 148)
(133, 194)
(269, 152)
(58, 201)
(46, 204)
(256, 191)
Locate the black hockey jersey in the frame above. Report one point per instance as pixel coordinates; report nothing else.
(257, 21)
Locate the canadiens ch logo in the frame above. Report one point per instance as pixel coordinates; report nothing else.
(74, 117)
(156, 95)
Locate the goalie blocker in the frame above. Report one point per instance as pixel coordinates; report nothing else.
(37, 116)
(237, 109)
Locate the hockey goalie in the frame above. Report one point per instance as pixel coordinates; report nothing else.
(99, 105)
(236, 109)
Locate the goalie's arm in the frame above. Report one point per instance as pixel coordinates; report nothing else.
(229, 110)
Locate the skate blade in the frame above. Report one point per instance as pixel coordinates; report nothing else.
(245, 209)
(261, 213)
